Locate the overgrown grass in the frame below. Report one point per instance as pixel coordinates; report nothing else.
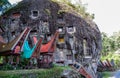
(34, 73)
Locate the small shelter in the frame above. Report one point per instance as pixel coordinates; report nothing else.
(14, 47)
(46, 53)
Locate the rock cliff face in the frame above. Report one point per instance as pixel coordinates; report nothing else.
(35, 11)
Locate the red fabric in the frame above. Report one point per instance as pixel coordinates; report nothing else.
(46, 47)
(49, 47)
(35, 40)
(17, 49)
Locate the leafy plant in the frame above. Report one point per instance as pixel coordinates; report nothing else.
(61, 11)
(115, 57)
(34, 73)
(47, 11)
(7, 67)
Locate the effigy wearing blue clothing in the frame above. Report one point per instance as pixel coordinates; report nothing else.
(27, 51)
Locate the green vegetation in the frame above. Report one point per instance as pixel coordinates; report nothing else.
(1, 59)
(80, 9)
(18, 8)
(110, 44)
(110, 56)
(34, 73)
(48, 11)
(106, 74)
(61, 11)
(4, 5)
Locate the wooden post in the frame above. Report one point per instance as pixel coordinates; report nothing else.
(11, 59)
(6, 59)
(17, 59)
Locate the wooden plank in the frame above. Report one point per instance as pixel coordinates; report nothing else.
(102, 63)
(108, 62)
(84, 72)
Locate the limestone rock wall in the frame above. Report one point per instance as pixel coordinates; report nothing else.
(35, 12)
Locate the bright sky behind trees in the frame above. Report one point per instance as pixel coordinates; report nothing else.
(107, 14)
(14, 1)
